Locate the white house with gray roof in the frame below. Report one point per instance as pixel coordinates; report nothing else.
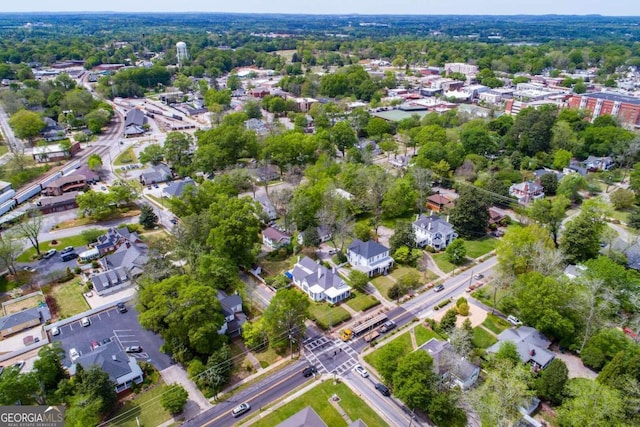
(532, 345)
(433, 231)
(369, 257)
(319, 282)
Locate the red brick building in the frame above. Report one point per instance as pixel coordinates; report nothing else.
(625, 108)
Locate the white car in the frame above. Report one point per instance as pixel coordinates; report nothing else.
(55, 331)
(363, 372)
(49, 253)
(85, 322)
(514, 320)
(73, 355)
(241, 409)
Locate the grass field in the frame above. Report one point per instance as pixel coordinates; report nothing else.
(382, 284)
(145, 408)
(442, 262)
(403, 340)
(477, 248)
(423, 335)
(128, 156)
(69, 298)
(362, 301)
(495, 324)
(6, 284)
(30, 254)
(327, 316)
(318, 399)
(482, 338)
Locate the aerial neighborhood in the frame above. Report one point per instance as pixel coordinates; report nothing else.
(320, 220)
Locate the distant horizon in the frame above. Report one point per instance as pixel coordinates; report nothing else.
(341, 7)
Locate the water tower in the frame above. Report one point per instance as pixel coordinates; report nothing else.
(181, 52)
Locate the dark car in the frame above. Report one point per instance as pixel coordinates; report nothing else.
(387, 326)
(383, 389)
(309, 370)
(106, 341)
(121, 307)
(439, 288)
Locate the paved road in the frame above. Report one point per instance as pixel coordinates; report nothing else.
(12, 142)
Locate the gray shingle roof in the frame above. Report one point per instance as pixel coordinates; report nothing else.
(438, 225)
(19, 318)
(307, 417)
(367, 249)
(176, 188)
(103, 358)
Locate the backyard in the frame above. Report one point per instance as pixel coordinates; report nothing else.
(69, 298)
(482, 338)
(423, 334)
(495, 324)
(382, 284)
(318, 399)
(13, 306)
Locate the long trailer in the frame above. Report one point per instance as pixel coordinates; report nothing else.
(6, 196)
(368, 325)
(6, 207)
(28, 193)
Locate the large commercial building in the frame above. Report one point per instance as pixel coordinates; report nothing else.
(625, 108)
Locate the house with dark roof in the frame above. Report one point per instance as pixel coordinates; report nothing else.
(319, 282)
(232, 311)
(595, 164)
(67, 201)
(52, 130)
(25, 319)
(526, 191)
(75, 182)
(433, 231)
(452, 368)
(155, 174)
(264, 174)
(274, 238)
(122, 369)
(306, 417)
(267, 207)
(369, 257)
(256, 125)
(134, 123)
(531, 344)
(542, 172)
(110, 281)
(370, 146)
(175, 188)
(324, 234)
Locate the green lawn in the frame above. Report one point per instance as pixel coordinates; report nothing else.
(145, 408)
(6, 285)
(382, 284)
(362, 301)
(495, 324)
(318, 399)
(267, 357)
(622, 216)
(69, 298)
(128, 156)
(482, 338)
(442, 262)
(3, 149)
(423, 335)
(30, 254)
(275, 267)
(477, 248)
(326, 316)
(403, 340)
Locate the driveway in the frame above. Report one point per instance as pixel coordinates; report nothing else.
(123, 328)
(197, 402)
(575, 366)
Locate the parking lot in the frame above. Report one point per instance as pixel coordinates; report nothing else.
(122, 328)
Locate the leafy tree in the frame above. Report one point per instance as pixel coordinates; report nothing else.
(358, 280)
(531, 130)
(30, 228)
(26, 124)
(399, 199)
(592, 404)
(217, 97)
(622, 199)
(457, 252)
(570, 185)
(253, 110)
(95, 385)
(448, 321)
(549, 183)
(602, 347)
(634, 218)
(389, 360)
(507, 352)
(561, 159)
(121, 195)
(521, 249)
(551, 383)
(478, 141)
(173, 398)
(217, 370)
(581, 238)
(444, 409)
(177, 148)
(148, 218)
(414, 380)
(48, 367)
(152, 153)
(255, 335)
(550, 214)
(97, 119)
(343, 136)
(470, 216)
(94, 162)
(17, 387)
(311, 239)
(284, 318)
(223, 145)
(91, 235)
(10, 249)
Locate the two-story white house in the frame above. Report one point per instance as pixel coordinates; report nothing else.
(319, 282)
(274, 238)
(233, 315)
(433, 231)
(369, 257)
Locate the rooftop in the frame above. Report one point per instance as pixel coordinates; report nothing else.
(616, 97)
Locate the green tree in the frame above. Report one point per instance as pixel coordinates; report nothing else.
(448, 321)
(570, 185)
(343, 136)
(622, 199)
(284, 319)
(399, 200)
(48, 367)
(94, 162)
(26, 124)
(148, 218)
(590, 404)
(358, 280)
(550, 214)
(507, 353)
(403, 236)
(389, 359)
(177, 148)
(97, 119)
(414, 380)
(551, 383)
(173, 398)
(255, 335)
(549, 183)
(470, 216)
(561, 158)
(30, 227)
(10, 248)
(456, 252)
(152, 153)
(581, 238)
(532, 130)
(17, 387)
(95, 385)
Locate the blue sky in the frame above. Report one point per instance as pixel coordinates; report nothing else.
(420, 7)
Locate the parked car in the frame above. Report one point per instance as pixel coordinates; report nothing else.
(55, 331)
(514, 320)
(85, 322)
(67, 250)
(363, 372)
(94, 345)
(29, 269)
(73, 355)
(309, 370)
(332, 251)
(478, 276)
(68, 256)
(49, 253)
(383, 389)
(133, 349)
(19, 365)
(387, 326)
(105, 341)
(439, 288)
(121, 307)
(241, 409)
